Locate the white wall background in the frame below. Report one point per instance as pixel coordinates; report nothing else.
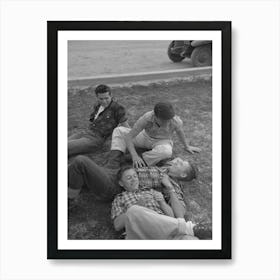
(255, 195)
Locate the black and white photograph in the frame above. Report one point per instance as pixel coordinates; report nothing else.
(169, 119)
(140, 140)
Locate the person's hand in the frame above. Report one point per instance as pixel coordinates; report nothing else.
(158, 196)
(144, 198)
(165, 180)
(192, 149)
(138, 161)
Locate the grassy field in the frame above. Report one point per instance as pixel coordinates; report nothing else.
(193, 103)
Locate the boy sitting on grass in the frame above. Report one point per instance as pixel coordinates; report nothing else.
(107, 115)
(154, 132)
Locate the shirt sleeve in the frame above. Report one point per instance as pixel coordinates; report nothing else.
(120, 114)
(117, 208)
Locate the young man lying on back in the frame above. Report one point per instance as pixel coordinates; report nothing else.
(144, 213)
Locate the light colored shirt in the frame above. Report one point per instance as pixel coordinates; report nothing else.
(148, 123)
(100, 110)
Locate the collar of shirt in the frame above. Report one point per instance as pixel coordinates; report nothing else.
(96, 112)
(100, 110)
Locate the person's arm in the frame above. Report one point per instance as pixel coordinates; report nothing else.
(167, 210)
(137, 128)
(118, 213)
(181, 135)
(136, 159)
(177, 207)
(119, 222)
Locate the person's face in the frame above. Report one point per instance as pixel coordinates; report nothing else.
(178, 167)
(129, 180)
(104, 99)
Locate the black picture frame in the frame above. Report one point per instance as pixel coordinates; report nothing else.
(53, 27)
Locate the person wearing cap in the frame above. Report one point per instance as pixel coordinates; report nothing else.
(107, 115)
(153, 131)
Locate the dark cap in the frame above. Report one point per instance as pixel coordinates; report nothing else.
(164, 110)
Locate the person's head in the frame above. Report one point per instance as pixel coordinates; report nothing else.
(128, 178)
(164, 111)
(103, 94)
(182, 169)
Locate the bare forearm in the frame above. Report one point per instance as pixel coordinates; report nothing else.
(182, 138)
(167, 210)
(177, 207)
(130, 146)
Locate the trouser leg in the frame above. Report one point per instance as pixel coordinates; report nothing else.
(118, 138)
(114, 160)
(143, 223)
(101, 181)
(74, 136)
(159, 152)
(142, 140)
(159, 149)
(84, 145)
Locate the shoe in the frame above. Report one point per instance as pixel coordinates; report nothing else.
(203, 230)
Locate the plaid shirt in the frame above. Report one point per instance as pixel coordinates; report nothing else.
(108, 119)
(126, 199)
(150, 178)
